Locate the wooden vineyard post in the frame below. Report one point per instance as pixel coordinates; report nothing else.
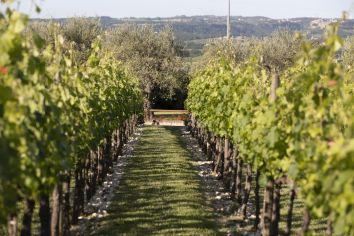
(268, 221)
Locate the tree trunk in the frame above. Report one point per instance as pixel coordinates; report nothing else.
(200, 142)
(208, 146)
(27, 218)
(135, 124)
(205, 141)
(94, 171)
(88, 179)
(126, 134)
(213, 149)
(218, 156)
(81, 190)
(267, 208)
(147, 107)
(222, 159)
(192, 125)
(234, 172)
(79, 195)
(275, 85)
(12, 225)
(247, 191)
(116, 145)
(269, 218)
(100, 166)
(44, 215)
(119, 142)
(276, 208)
(257, 201)
(55, 220)
(76, 209)
(66, 207)
(289, 217)
(227, 164)
(239, 181)
(108, 154)
(329, 230)
(306, 223)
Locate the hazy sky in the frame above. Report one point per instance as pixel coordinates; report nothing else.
(163, 8)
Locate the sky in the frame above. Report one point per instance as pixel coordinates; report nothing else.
(167, 8)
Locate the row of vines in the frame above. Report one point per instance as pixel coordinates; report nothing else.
(293, 127)
(62, 126)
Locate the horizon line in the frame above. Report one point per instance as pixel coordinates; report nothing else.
(187, 16)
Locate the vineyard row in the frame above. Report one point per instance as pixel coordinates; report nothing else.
(294, 126)
(62, 122)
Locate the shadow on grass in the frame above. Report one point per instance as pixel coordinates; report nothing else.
(160, 192)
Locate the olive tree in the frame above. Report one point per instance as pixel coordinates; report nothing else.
(347, 55)
(153, 57)
(235, 51)
(82, 32)
(279, 51)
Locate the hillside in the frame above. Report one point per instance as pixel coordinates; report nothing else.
(193, 31)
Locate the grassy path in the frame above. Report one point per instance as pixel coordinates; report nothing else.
(160, 193)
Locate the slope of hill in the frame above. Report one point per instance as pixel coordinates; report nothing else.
(193, 31)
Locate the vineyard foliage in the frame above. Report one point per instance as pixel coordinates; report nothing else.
(305, 132)
(53, 110)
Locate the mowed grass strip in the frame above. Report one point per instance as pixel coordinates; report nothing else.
(160, 193)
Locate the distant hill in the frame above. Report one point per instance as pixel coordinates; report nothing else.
(194, 31)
